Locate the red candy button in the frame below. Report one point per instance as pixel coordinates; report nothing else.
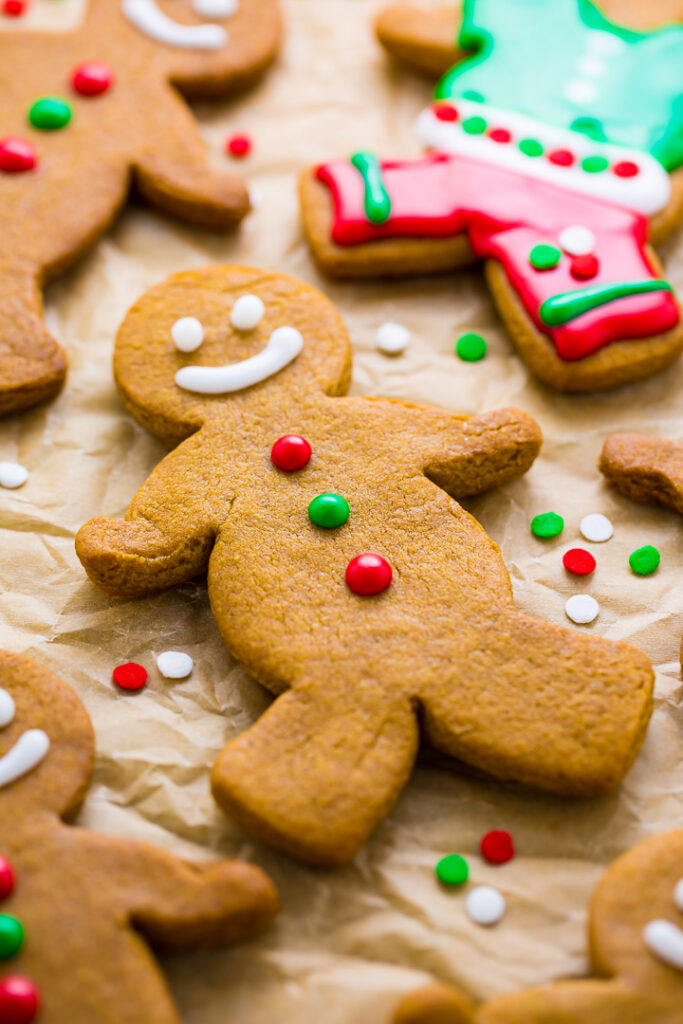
(92, 78)
(626, 169)
(290, 453)
(7, 879)
(561, 157)
(500, 135)
(130, 676)
(367, 575)
(19, 1000)
(16, 155)
(445, 111)
(14, 8)
(497, 847)
(579, 561)
(238, 145)
(584, 267)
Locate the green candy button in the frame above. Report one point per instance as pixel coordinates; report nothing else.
(452, 870)
(11, 936)
(474, 126)
(470, 347)
(50, 113)
(329, 511)
(547, 524)
(544, 256)
(645, 560)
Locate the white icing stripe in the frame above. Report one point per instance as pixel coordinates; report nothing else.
(25, 755)
(665, 940)
(647, 192)
(146, 16)
(7, 708)
(284, 345)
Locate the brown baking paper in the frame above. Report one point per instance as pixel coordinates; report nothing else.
(348, 942)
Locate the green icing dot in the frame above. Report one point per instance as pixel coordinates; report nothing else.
(50, 113)
(471, 347)
(474, 125)
(544, 256)
(452, 870)
(329, 511)
(595, 164)
(472, 96)
(532, 147)
(547, 524)
(645, 560)
(591, 127)
(11, 936)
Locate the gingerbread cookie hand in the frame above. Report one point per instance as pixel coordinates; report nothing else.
(337, 556)
(77, 905)
(84, 117)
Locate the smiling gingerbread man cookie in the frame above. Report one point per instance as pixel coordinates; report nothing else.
(342, 572)
(88, 113)
(77, 909)
(636, 954)
(555, 156)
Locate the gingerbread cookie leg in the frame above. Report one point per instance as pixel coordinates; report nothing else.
(646, 469)
(421, 37)
(434, 1004)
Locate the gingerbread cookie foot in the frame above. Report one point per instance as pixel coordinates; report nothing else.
(646, 469)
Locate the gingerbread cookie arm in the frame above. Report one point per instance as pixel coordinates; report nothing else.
(434, 1004)
(572, 1002)
(422, 38)
(646, 469)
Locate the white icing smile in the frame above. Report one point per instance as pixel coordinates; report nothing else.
(665, 939)
(284, 345)
(27, 752)
(146, 16)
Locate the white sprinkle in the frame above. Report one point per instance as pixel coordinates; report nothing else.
(187, 333)
(215, 8)
(392, 338)
(175, 664)
(580, 90)
(596, 527)
(665, 940)
(12, 474)
(485, 905)
(247, 312)
(577, 240)
(582, 609)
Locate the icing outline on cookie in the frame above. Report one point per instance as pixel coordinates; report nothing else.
(284, 345)
(151, 20)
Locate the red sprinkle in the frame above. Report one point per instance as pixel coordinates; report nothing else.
(497, 847)
(14, 8)
(561, 157)
(579, 561)
(445, 111)
(16, 155)
(368, 575)
(92, 78)
(584, 267)
(7, 879)
(19, 1000)
(130, 676)
(238, 145)
(500, 135)
(626, 169)
(290, 453)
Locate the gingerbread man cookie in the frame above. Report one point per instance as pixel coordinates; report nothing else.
(555, 156)
(636, 952)
(646, 469)
(76, 908)
(85, 114)
(342, 570)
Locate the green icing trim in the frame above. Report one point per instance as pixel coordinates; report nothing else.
(377, 199)
(560, 309)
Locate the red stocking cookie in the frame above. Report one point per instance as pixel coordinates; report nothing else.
(87, 113)
(77, 908)
(555, 145)
(636, 951)
(342, 570)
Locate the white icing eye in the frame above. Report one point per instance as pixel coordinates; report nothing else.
(7, 708)
(187, 333)
(577, 240)
(247, 312)
(215, 8)
(665, 941)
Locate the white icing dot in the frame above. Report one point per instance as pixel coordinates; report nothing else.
(187, 333)
(12, 474)
(678, 894)
(577, 240)
(215, 8)
(392, 338)
(7, 708)
(175, 664)
(591, 66)
(596, 527)
(665, 940)
(247, 312)
(605, 43)
(485, 905)
(580, 90)
(582, 609)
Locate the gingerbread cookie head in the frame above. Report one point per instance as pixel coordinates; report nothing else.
(200, 344)
(46, 743)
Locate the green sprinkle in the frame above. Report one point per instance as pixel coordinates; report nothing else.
(589, 126)
(544, 256)
(645, 560)
(474, 125)
(547, 524)
(471, 347)
(532, 147)
(50, 113)
(452, 870)
(377, 199)
(595, 164)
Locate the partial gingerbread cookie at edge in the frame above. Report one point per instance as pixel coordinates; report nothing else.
(85, 114)
(556, 178)
(646, 469)
(79, 908)
(636, 953)
(343, 573)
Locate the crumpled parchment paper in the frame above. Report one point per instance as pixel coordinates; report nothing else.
(348, 942)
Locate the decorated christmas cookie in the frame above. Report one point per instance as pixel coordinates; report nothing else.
(88, 113)
(646, 469)
(636, 952)
(342, 570)
(555, 147)
(78, 909)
